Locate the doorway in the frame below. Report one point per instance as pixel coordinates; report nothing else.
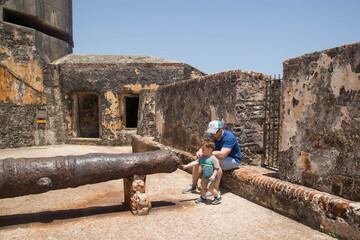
(88, 115)
(129, 106)
(132, 105)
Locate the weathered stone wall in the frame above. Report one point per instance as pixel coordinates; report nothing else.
(51, 20)
(26, 80)
(109, 76)
(236, 98)
(320, 136)
(147, 118)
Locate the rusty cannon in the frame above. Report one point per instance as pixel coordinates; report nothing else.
(23, 176)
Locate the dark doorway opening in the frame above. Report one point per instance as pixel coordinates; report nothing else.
(88, 115)
(131, 105)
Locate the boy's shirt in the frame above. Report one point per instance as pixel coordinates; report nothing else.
(208, 165)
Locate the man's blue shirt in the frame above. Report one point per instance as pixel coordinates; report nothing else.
(228, 140)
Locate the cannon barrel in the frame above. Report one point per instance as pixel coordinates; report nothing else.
(24, 176)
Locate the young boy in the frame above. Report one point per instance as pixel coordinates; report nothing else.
(210, 167)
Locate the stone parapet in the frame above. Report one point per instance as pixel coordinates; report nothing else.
(316, 209)
(319, 210)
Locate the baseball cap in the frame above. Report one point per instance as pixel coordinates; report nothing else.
(214, 126)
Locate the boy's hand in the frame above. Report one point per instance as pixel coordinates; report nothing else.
(183, 167)
(212, 178)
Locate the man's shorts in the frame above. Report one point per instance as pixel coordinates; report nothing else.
(205, 184)
(229, 163)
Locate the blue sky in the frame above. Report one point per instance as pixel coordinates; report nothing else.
(215, 36)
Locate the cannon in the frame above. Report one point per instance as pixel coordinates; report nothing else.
(24, 176)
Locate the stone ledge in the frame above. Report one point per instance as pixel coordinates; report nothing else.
(84, 141)
(319, 210)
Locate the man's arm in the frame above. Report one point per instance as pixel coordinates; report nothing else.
(222, 153)
(199, 153)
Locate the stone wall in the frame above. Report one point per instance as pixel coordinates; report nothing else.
(109, 77)
(26, 79)
(320, 136)
(236, 98)
(147, 117)
(51, 22)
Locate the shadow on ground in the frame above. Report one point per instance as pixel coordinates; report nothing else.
(50, 216)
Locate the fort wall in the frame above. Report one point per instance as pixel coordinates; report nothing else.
(113, 82)
(236, 98)
(32, 34)
(320, 136)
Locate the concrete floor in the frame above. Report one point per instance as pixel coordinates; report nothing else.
(97, 211)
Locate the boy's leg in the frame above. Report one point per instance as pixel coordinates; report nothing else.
(213, 191)
(217, 183)
(203, 189)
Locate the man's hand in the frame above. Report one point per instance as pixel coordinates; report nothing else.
(212, 178)
(199, 153)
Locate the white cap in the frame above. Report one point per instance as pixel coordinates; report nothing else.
(214, 126)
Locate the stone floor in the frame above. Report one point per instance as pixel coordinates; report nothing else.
(97, 211)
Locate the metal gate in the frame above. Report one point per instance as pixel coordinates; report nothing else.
(272, 123)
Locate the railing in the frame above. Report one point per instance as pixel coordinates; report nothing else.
(272, 123)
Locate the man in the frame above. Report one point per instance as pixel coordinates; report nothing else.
(227, 150)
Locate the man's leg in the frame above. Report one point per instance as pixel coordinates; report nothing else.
(217, 183)
(196, 174)
(229, 163)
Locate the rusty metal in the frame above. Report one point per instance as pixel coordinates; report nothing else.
(24, 176)
(272, 123)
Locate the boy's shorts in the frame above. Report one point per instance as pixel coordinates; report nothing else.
(207, 184)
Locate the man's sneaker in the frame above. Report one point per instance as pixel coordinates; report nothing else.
(216, 200)
(200, 200)
(189, 189)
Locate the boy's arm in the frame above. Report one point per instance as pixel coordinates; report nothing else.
(212, 178)
(194, 163)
